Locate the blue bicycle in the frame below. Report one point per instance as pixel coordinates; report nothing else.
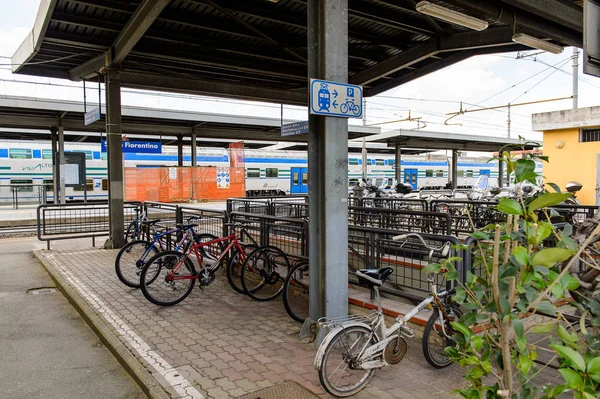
(133, 256)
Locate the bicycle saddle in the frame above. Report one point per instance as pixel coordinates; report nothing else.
(375, 276)
(150, 222)
(187, 226)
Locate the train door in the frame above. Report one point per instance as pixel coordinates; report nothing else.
(484, 172)
(410, 177)
(299, 182)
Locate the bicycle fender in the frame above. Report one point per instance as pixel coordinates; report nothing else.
(329, 337)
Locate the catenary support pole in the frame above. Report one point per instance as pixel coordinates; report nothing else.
(454, 170)
(61, 161)
(179, 150)
(328, 164)
(398, 163)
(55, 166)
(575, 76)
(114, 136)
(194, 148)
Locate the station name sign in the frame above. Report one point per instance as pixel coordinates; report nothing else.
(291, 129)
(147, 147)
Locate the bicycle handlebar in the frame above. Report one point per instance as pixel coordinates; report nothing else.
(444, 249)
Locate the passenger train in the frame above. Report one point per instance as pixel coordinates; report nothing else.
(29, 166)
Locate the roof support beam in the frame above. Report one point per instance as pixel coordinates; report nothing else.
(206, 87)
(459, 41)
(138, 24)
(552, 10)
(526, 23)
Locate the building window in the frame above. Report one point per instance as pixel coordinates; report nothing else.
(271, 172)
(428, 173)
(20, 153)
(589, 135)
(253, 173)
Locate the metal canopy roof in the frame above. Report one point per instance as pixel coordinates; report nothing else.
(257, 49)
(449, 141)
(29, 113)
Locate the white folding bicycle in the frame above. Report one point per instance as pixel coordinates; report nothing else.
(356, 345)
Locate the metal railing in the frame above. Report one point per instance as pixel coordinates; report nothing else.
(68, 221)
(402, 220)
(16, 195)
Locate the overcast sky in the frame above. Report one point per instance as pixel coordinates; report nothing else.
(488, 81)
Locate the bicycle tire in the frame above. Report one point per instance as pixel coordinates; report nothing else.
(153, 280)
(295, 292)
(356, 110)
(210, 253)
(434, 342)
(129, 268)
(234, 268)
(131, 234)
(264, 272)
(341, 350)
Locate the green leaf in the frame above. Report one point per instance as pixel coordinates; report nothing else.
(558, 291)
(509, 206)
(564, 335)
(542, 328)
(525, 364)
(461, 328)
(543, 231)
(574, 358)
(555, 187)
(550, 256)
(530, 177)
(572, 283)
(572, 378)
(522, 168)
(546, 200)
(593, 366)
(520, 254)
(519, 328)
(480, 235)
(460, 295)
(432, 268)
(586, 395)
(546, 307)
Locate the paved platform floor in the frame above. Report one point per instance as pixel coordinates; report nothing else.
(220, 344)
(46, 348)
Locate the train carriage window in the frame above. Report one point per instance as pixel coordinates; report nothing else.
(439, 173)
(461, 173)
(253, 173)
(88, 154)
(296, 178)
(21, 185)
(46, 154)
(271, 172)
(304, 177)
(391, 162)
(429, 173)
(89, 186)
(48, 184)
(352, 182)
(379, 162)
(104, 184)
(20, 153)
(469, 173)
(353, 161)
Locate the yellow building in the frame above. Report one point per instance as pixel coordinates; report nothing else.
(572, 142)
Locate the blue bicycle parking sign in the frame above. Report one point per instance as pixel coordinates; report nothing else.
(335, 99)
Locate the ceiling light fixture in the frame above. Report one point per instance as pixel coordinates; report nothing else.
(539, 44)
(448, 15)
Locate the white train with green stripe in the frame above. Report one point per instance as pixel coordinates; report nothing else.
(26, 167)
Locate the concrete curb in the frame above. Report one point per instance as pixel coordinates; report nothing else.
(138, 372)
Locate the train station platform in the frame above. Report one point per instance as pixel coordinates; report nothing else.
(220, 344)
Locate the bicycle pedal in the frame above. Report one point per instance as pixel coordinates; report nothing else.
(406, 330)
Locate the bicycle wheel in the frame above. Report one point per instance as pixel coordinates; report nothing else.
(163, 286)
(131, 259)
(210, 253)
(264, 272)
(434, 340)
(344, 108)
(234, 268)
(295, 292)
(132, 233)
(338, 373)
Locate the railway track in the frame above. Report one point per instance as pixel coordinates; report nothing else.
(17, 230)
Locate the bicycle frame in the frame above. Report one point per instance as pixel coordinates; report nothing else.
(195, 248)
